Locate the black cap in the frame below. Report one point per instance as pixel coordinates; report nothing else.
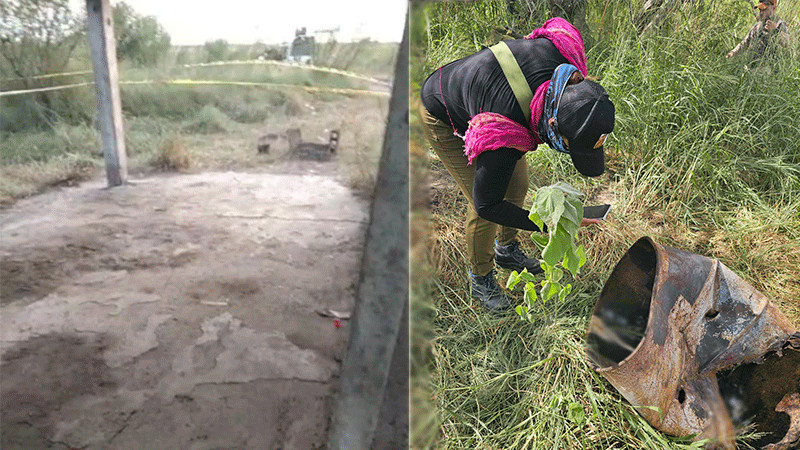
(585, 116)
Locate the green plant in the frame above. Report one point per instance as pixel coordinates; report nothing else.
(139, 39)
(208, 120)
(216, 50)
(37, 37)
(559, 208)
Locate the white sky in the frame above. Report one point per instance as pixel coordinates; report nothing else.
(193, 22)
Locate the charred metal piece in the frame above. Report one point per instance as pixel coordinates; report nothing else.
(312, 150)
(265, 141)
(696, 349)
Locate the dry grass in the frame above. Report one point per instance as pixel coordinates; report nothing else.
(23, 180)
(172, 154)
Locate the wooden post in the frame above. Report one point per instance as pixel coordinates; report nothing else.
(109, 105)
(382, 299)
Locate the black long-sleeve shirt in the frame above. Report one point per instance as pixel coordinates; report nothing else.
(493, 171)
(475, 84)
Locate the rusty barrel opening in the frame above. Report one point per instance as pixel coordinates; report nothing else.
(757, 395)
(620, 316)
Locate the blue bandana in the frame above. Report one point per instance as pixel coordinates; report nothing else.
(551, 101)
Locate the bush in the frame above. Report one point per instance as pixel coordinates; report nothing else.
(208, 120)
(216, 50)
(36, 38)
(172, 155)
(139, 39)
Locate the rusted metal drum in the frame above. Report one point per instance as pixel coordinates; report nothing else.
(696, 349)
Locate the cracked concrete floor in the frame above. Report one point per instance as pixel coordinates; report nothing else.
(179, 311)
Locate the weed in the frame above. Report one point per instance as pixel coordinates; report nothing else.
(172, 154)
(208, 120)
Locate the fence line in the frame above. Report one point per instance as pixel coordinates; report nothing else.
(229, 63)
(186, 82)
(45, 89)
(286, 64)
(51, 75)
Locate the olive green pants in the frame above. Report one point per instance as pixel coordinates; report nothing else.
(480, 233)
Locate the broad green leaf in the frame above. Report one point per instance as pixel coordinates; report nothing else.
(555, 275)
(518, 309)
(560, 242)
(549, 290)
(573, 210)
(513, 279)
(571, 261)
(568, 189)
(534, 217)
(527, 276)
(550, 205)
(581, 255)
(562, 295)
(576, 414)
(530, 296)
(570, 228)
(574, 259)
(540, 240)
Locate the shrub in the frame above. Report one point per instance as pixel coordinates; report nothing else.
(139, 39)
(209, 120)
(216, 50)
(172, 155)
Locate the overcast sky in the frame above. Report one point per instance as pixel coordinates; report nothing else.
(192, 22)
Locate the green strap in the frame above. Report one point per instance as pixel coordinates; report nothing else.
(514, 76)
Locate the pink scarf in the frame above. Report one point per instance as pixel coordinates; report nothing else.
(490, 131)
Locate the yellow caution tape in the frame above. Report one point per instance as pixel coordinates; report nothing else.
(51, 75)
(292, 65)
(230, 63)
(207, 83)
(45, 89)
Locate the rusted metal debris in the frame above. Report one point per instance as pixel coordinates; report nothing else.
(297, 148)
(697, 350)
(312, 150)
(265, 141)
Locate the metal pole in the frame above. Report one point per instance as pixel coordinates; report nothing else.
(382, 295)
(109, 105)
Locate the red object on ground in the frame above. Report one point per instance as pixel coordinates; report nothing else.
(337, 323)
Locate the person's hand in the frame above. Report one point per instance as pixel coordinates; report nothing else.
(770, 26)
(586, 222)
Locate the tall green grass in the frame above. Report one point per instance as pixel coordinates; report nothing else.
(705, 157)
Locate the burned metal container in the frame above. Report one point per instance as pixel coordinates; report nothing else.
(697, 350)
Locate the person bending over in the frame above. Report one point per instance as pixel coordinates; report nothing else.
(476, 124)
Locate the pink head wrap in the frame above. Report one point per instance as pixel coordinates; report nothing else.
(566, 38)
(487, 131)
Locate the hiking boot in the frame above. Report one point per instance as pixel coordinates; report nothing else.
(486, 289)
(511, 257)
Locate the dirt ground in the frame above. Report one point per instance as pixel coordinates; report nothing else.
(178, 311)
